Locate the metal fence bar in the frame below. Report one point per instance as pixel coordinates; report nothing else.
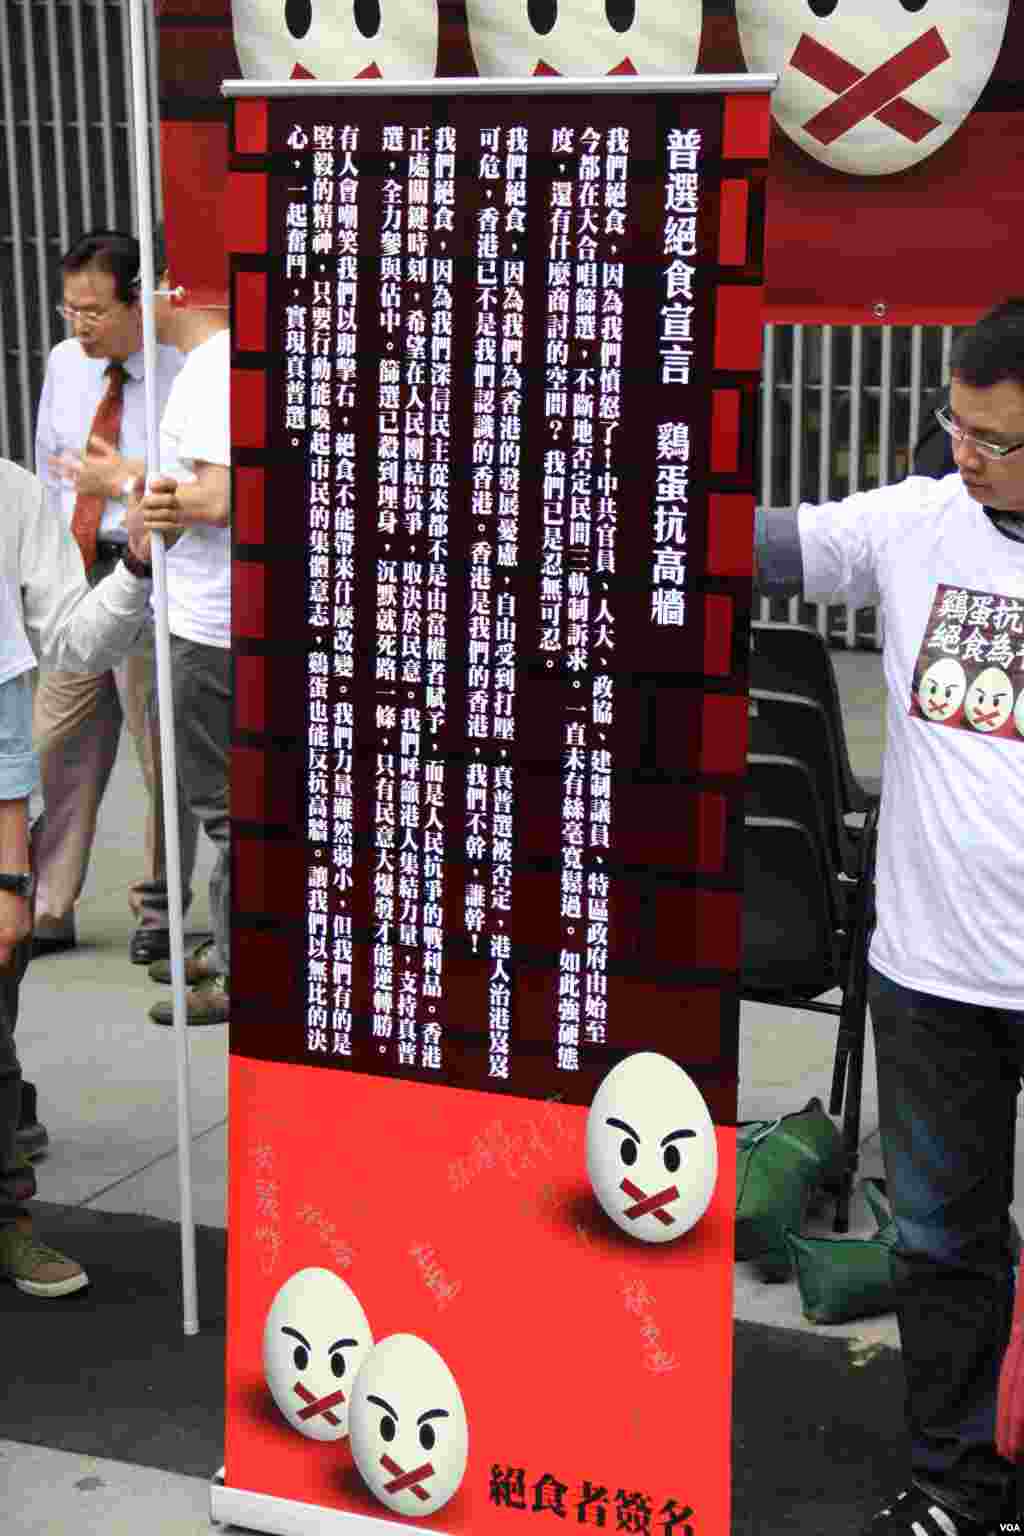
(767, 434)
(36, 171)
(81, 117)
(152, 58)
(106, 137)
(947, 349)
(885, 410)
(856, 403)
(133, 179)
(23, 402)
(796, 440)
(825, 446)
(916, 389)
(57, 124)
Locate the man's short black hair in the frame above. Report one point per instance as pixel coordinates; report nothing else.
(993, 349)
(108, 250)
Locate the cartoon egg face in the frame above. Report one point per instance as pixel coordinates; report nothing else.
(652, 1155)
(584, 37)
(315, 1339)
(872, 86)
(322, 40)
(989, 700)
(409, 1435)
(941, 690)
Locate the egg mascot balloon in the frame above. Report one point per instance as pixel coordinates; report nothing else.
(585, 37)
(311, 39)
(870, 87)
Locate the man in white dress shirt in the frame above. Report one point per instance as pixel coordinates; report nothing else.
(78, 717)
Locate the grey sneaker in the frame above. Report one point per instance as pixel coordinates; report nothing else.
(34, 1268)
(205, 1003)
(200, 965)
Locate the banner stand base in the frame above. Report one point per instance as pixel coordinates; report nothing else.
(284, 1517)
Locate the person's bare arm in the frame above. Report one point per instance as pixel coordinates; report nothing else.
(170, 506)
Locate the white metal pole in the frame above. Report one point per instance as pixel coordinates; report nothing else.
(169, 775)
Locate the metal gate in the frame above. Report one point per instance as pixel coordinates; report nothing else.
(841, 404)
(66, 167)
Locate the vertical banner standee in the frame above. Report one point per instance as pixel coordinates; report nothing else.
(494, 413)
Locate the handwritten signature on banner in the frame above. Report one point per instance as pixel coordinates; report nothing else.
(341, 1252)
(639, 1301)
(267, 1229)
(434, 1277)
(514, 1151)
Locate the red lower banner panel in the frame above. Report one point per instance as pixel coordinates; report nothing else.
(434, 1323)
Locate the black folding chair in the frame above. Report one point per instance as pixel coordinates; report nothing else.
(782, 787)
(792, 658)
(799, 943)
(791, 725)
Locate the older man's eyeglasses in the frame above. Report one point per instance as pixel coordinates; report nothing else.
(75, 316)
(986, 449)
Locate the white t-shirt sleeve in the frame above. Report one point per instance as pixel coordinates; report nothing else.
(840, 545)
(196, 425)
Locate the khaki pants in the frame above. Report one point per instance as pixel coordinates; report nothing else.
(77, 727)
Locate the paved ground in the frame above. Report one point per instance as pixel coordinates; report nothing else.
(107, 1094)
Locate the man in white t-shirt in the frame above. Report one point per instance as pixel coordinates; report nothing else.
(189, 503)
(944, 560)
(42, 585)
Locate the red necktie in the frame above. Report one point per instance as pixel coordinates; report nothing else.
(85, 520)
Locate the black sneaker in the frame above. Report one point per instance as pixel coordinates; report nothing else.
(915, 1513)
(32, 1137)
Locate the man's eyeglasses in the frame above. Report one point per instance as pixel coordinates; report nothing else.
(957, 433)
(76, 316)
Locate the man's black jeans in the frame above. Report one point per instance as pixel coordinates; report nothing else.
(17, 1179)
(948, 1074)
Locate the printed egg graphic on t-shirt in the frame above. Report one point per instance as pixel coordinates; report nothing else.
(408, 1429)
(940, 693)
(315, 1339)
(872, 86)
(584, 37)
(988, 703)
(313, 39)
(652, 1155)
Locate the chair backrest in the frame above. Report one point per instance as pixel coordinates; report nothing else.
(778, 786)
(789, 940)
(789, 725)
(793, 658)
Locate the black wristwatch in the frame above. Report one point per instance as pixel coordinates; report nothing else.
(18, 885)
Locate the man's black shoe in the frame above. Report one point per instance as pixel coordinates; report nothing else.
(31, 1137)
(149, 944)
(916, 1513)
(52, 943)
